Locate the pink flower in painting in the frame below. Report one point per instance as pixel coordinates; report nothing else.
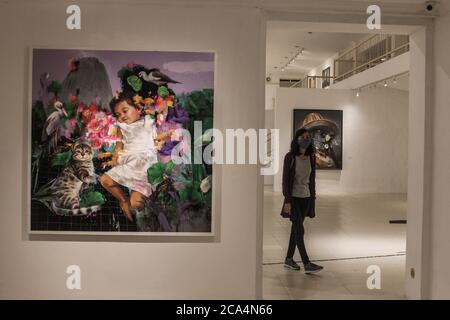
(166, 126)
(183, 147)
(96, 143)
(109, 140)
(100, 129)
(94, 125)
(160, 119)
(165, 159)
(68, 129)
(176, 136)
(80, 107)
(161, 105)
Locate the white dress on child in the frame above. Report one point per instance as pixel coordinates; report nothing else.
(138, 154)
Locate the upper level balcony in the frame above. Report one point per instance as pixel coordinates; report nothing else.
(373, 51)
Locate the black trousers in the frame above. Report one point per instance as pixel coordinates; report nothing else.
(299, 209)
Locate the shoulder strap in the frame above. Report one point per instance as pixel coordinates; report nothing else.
(313, 158)
(292, 160)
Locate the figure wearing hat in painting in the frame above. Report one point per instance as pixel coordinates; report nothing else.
(325, 135)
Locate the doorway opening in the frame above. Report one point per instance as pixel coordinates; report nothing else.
(364, 162)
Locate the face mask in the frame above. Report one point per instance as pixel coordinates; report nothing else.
(304, 143)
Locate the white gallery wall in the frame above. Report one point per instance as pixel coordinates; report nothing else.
(438, 246)
(227, 268)
(375, 137)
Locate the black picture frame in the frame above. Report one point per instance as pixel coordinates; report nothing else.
(326, 127)
(326, 80)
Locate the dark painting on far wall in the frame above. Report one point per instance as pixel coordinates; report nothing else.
(326, 130)
(326, 77)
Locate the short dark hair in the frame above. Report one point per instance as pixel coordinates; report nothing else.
(295, 149)
(126, 96)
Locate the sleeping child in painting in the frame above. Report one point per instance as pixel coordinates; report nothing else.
(134, 153)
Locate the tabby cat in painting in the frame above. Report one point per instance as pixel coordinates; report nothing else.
(75, 178)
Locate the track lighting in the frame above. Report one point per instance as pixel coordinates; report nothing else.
(297, 55)
(375, 84)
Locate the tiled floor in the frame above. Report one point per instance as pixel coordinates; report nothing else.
(349, 233)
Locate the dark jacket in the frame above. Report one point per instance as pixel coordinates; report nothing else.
(288, 181)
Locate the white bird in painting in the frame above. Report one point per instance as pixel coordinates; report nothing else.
(51, 126)
(157, 77)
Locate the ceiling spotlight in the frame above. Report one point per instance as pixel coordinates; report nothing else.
(282, 69)
(395, 80)
(385, 83)
(357, 93)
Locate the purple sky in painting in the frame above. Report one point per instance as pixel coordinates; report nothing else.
(195, 70)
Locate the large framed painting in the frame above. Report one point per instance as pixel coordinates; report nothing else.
(326, 130)
(110, 142)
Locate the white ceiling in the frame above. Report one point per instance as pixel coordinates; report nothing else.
(284, 39)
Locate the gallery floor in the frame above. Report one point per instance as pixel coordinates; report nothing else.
(349, 234)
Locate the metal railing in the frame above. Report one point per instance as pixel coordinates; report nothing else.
(287, 83)
(313, 82)
(371, 52)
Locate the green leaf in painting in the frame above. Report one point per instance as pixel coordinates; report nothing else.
(71, 112)
(91, 198)
(135, 82)
(54, 87)
(169, 166)
(155, 173)
(61, 158)
(163, 92)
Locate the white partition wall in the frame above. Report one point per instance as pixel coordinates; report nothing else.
(228, 267)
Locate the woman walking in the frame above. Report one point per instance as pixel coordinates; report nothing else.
(299, 191)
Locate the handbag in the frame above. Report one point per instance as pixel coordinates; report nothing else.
(283, 213)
